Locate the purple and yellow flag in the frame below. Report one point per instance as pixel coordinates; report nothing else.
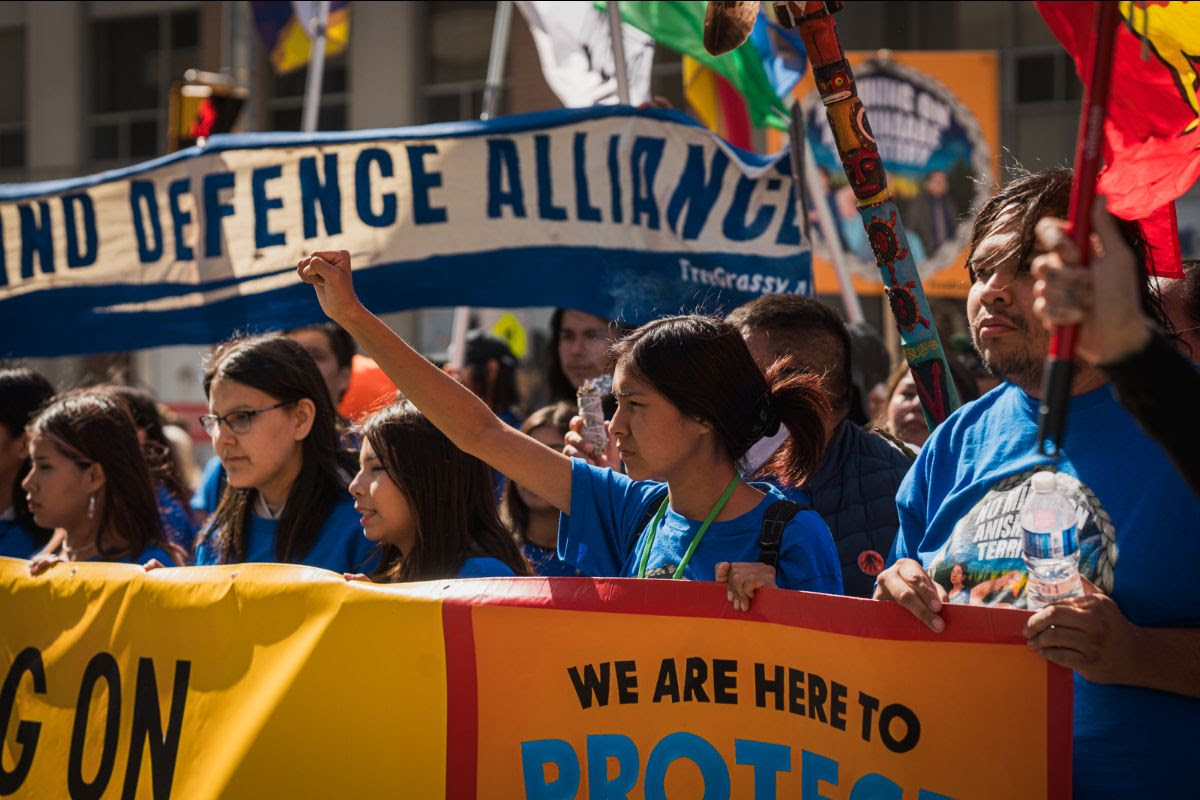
(286, 30)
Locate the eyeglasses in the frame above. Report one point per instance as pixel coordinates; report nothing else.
(237, 421)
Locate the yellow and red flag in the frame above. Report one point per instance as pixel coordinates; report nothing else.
(716, 103)
(1152, 129)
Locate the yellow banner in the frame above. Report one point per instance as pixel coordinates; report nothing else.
(273, 681)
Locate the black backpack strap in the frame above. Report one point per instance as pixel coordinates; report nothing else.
(776, 518)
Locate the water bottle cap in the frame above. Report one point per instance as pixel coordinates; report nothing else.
(1044, 482)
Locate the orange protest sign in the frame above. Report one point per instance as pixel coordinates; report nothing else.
(270, 680)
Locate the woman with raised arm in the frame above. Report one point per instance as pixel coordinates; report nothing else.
(691, 401)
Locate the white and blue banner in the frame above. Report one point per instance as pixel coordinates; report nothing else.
(626, 214)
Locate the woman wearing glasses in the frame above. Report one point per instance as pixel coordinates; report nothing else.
(273, 427)
(90, 479)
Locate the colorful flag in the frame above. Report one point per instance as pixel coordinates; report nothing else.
(574, 44)
(679, 24)
(1152, 129)
(286, 30)
(717, 105)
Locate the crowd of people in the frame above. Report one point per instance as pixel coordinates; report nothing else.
(751, 450)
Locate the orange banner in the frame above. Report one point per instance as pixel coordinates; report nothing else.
(267, 680)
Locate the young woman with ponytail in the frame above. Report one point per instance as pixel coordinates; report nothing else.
(691, 401)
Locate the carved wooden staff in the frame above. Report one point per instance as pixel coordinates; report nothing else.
(864, 168)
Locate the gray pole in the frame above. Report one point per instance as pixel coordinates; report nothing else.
(316, 69)
(496, 58)
(618, 49)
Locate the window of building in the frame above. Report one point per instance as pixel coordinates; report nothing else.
(12, 99)
(134, 61)
(460, 41)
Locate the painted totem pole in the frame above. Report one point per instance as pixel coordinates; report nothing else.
(864, 169)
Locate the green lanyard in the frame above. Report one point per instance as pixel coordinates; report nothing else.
(687, 556)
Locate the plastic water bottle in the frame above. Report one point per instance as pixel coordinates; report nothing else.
(1049, 544)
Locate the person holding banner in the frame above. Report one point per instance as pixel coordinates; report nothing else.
(691, 401)
(89, 478)
(274, 428)
(1133, 639)
(429, 504)
(22, 392)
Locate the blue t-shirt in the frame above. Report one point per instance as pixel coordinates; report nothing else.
(485, 567)
(603, 535)
(176, 521)
(545, 561)
(153, 551)
(212, 483)
(340, 545)
(961, 504)
(16, 540)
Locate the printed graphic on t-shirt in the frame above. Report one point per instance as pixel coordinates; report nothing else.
(981, 562)
(661, 571)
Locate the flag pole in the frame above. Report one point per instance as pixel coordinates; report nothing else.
(316, 67)
(618, 49)
(496, 58)
(1056, 376)
(491, 99)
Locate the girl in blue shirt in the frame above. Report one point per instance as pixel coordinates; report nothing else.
(428, 504)
(22, 392)
(90, 479)
(691, 401)
(273, 426)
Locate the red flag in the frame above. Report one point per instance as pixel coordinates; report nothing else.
(1152, 130)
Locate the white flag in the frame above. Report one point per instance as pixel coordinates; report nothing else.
(575, 46)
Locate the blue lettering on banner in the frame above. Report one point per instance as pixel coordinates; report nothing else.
(735, 226)
(535, 756)
(143, 205)
(584, 210)
(816, 769)
(602, 747)
(768, 760)
(76, 257)
(180, 219)
(36, 237)
(645, 160)
(362, 188)
(679, 745)
(263, 205)
(614, 176)
(424, 212)
(545, 181)
(789, 231)
(504, 166)
(695, 192)
(215, 210)
(328, 194)
(552, 770)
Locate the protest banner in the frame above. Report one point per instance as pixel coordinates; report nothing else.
(620, 213)
(270, 680)
(931, 112)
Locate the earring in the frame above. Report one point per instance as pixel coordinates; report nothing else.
(91, 506)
